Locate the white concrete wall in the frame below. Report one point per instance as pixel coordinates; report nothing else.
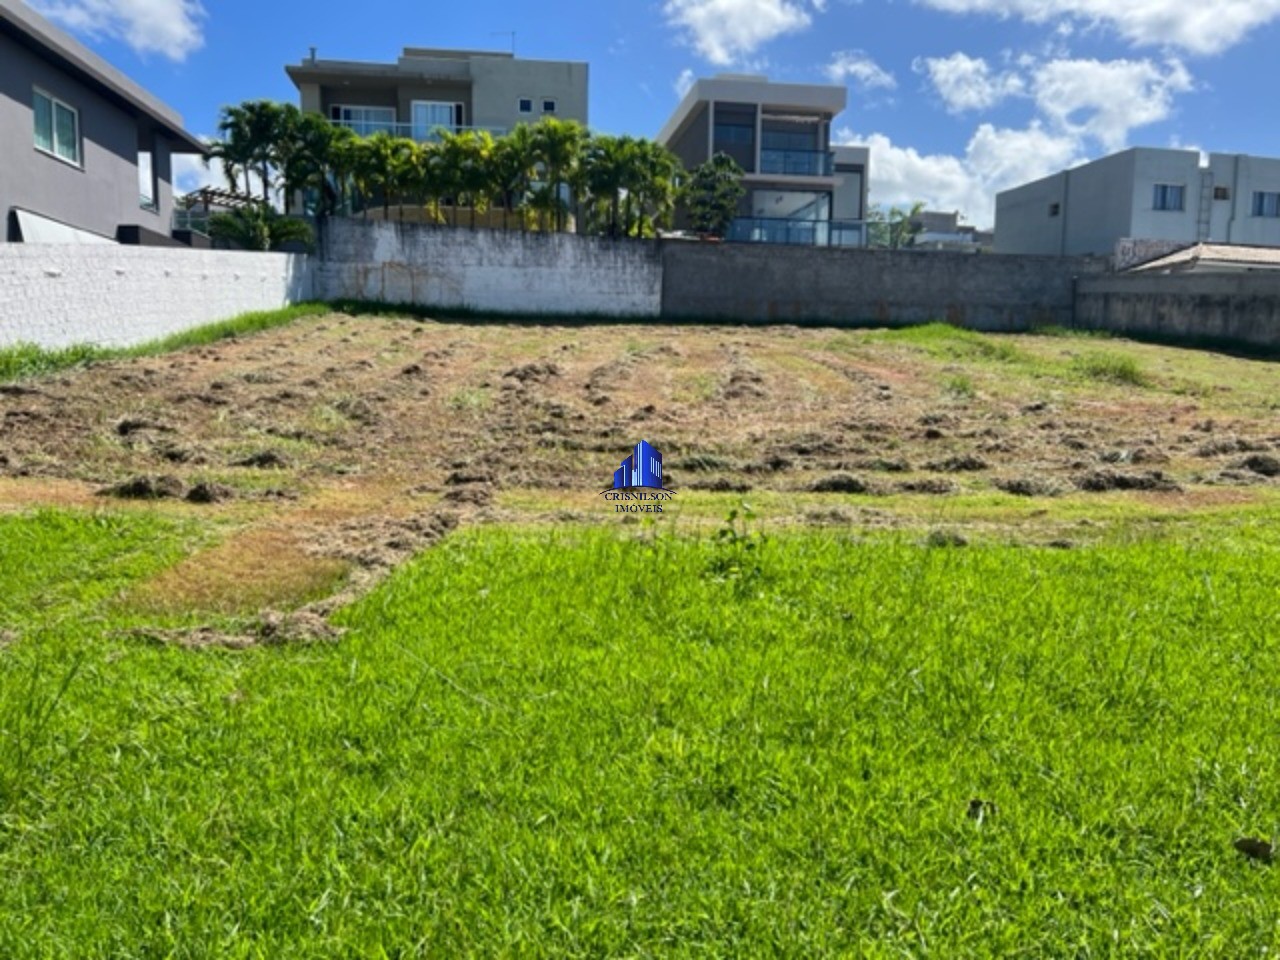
(56, 295)
(1174, 167)
(503, 271)
(1023, 220)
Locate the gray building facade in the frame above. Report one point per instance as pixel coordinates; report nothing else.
(1143, 194)
(426, 90)
(800, 189)
(84, 151)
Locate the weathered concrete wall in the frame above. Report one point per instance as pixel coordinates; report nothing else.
(56, 295)
(763, 283)
(489, 270)
(1241, 308)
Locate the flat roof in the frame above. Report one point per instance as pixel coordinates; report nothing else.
(750, 88)
(34, 31)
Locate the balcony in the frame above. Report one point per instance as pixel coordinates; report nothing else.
(413, 131)
(798, 233)
(797, 163)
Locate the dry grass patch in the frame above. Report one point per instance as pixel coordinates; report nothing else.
(257, 568)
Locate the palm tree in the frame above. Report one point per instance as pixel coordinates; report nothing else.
(512, 164)
(258, 227)
(305, 153)
(234, 148)
(384, 167)
(558, 144)
(263, 121)
(601, 179)
(657, 186)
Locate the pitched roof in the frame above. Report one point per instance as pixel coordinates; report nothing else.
(1214, 256)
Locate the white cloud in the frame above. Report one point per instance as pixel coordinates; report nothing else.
(1200, 28)
(994, 160)
(190, 173)
(856, 66)
(171, 28)
(683, 82)
(724, 31)
(1105, 100)
(968, 83)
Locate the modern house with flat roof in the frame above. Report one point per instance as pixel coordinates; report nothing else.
(800, 189)
(428, 90)
(1143, 194)
(85, 153)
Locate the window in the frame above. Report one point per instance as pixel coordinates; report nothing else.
(548, 106)
(526, 105)
(57, 128)
(1055, 209)
(734, 133)
(1222, 193)
(1266, 204)
(364, 120)
(1168, 196)
(147, 193)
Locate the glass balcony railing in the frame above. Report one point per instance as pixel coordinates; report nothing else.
(800, 233)
(797, 163)
(421, 132)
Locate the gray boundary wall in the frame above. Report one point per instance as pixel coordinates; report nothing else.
(498, 271)
(57, 295)
(760, 283)
(1242, 308)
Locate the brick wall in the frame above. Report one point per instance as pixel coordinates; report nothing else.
(56, 295)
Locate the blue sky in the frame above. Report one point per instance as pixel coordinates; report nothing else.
(956, 98)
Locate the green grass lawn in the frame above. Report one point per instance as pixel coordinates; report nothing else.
(620, 742)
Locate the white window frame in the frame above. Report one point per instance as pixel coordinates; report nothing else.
(555, 106)
(521, 101)
(55, 103)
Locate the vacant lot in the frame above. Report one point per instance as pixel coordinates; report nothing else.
(321, 642)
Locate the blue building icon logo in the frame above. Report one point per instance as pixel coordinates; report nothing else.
(642, 469)
(638, 482)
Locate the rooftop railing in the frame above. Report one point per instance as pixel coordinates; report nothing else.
(799, 233)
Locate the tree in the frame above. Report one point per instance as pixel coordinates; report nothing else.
(513, 163)
(602, 173)
(712, 194)
(558, 145)
(234, 149)
(307, 154)
(469, 153)
(259, 227)
(894, 230)
(656, 189)
(384, 167)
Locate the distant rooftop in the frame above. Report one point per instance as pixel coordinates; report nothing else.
(1216, 257)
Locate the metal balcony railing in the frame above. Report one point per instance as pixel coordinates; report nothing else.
(801, 233)
(414, 131)
(797, 163)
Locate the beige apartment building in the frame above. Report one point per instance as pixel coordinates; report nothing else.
(428, 90)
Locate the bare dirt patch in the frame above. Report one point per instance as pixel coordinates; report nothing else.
(350, 443)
